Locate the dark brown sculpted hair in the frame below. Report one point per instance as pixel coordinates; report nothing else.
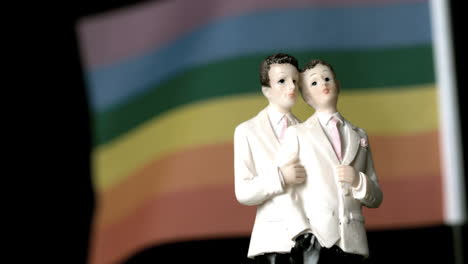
(279, 58)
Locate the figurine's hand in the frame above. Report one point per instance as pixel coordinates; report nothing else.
(293, 172)
(347, 174)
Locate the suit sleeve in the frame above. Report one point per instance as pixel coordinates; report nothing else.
(252, 188)
(368, 191)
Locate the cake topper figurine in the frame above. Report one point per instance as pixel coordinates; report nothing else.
(340, 177)
(258, 181)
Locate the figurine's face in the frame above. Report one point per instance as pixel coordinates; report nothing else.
(282, 92)
(319, 88)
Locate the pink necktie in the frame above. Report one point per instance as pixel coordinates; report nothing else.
(335, 136)
(284, 126)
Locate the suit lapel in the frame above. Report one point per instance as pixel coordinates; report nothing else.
(319, 136)
(264, 127)
(353, 144)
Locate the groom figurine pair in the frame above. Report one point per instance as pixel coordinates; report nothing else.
(308, 181)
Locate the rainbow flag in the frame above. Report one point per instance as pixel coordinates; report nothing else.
(168, 81)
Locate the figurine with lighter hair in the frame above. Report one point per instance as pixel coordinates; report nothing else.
(340, 175)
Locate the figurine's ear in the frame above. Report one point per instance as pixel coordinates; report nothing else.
(266, 91)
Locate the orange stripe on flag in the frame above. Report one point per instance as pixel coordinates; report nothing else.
(190, 169)
(409, 201)
(202, 213)
(399, 156)
(394, 157)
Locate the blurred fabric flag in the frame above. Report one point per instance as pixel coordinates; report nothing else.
(168, 81)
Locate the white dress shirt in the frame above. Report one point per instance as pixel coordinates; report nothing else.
(275, 117)
(324, 119)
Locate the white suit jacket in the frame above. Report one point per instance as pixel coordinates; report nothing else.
(257, 182)
(332, 209)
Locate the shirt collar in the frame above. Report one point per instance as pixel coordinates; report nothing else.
(324, 118)
(276, 116)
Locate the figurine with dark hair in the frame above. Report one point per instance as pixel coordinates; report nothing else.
(258, 181)
(340, 178)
